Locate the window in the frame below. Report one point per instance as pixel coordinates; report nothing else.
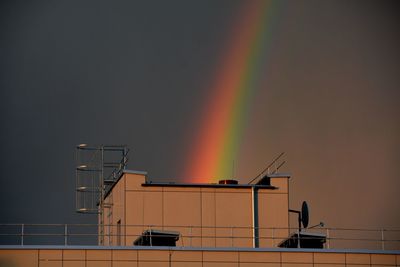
(119, 233)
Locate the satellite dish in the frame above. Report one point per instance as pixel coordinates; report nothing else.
(304, 214)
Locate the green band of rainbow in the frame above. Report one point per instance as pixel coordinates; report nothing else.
(223, 122)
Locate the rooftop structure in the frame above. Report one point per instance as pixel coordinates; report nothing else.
(146, 223)
(205, 215)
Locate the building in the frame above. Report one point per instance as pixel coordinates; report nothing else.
(143, 223)
(204, 215)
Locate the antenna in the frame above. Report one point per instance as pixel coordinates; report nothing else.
(233, 169)
(303, 218)
(279, 166)
(269, 166)
(321, 224)
(304, 214)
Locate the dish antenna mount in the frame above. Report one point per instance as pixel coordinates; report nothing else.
(303, 215)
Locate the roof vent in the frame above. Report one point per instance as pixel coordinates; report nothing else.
(153, 237)
(227, 182)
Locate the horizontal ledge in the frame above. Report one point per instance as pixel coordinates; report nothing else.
(208, 185)
(236, 249)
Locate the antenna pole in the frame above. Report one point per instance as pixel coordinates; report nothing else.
(299, 220)
(271, 164)
(233, 169)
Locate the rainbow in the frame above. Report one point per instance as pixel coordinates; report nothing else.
(223, 121)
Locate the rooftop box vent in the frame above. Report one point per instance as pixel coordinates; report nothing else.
(157, 238)
(228, 182)
(307, 240)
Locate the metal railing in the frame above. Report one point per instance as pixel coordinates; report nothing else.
(192, 236)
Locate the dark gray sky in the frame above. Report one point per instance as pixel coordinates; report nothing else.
(136, 73)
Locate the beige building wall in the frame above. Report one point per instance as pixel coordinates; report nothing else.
(205, 216)
(114, 216)
(92, 257)
(273, 208)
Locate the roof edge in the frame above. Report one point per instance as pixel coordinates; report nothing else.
(72, 247)
(135, 172)
(279, 175)
(209, 185)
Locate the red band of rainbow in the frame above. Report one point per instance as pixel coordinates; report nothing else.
(223, 121)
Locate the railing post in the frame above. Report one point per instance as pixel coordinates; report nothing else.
(190, 235)
(327, 238)
(298, 239)
(231, 236)
(383, 239)
(22, 234)
(65, 234)
(151, 239)
(273, 237)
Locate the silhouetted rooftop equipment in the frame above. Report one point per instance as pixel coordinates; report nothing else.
(153, 237)
(97, 169)
(303, 215)
(307, 240)
(227, 182)
(266, 180)
(303, 218)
